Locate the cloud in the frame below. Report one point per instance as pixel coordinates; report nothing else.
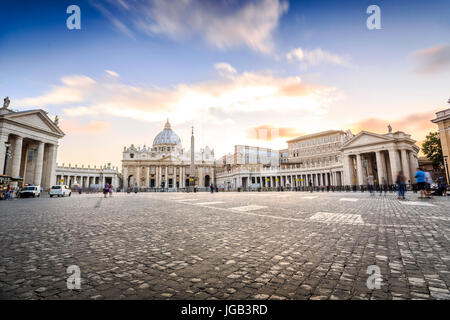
(118, 24)
(432, 60)
(244, 93)
(268, 133)
(225, 69)
(418, 125)
(79, 111)
(221, 24)
(74, 89)
(95, 126)
(311, 58)
(112, 73)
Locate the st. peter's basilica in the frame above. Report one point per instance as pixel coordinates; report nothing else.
(166, 164)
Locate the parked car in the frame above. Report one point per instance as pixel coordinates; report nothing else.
(60, 191)
(30, 191)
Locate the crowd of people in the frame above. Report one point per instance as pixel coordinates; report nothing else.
(424, 182)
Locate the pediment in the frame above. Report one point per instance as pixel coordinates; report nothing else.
(36, 119)
(366, 138)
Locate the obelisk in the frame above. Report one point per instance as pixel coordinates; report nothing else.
(192, 169)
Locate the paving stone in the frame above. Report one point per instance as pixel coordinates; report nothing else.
(239, 246)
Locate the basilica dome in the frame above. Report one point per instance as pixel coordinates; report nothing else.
(167, 136)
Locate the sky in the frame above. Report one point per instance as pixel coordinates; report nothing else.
(241, 72)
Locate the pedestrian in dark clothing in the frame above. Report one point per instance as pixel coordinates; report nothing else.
(401, 185)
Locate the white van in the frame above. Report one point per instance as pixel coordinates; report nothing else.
(30, 191)
(60, 191)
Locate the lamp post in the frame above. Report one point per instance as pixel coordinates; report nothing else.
(7, 155)
(447, 173)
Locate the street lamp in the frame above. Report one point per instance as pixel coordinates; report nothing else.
(447, 173)
(7, 155)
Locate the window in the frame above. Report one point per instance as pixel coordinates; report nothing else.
(131, 155)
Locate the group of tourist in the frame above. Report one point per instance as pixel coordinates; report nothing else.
(6, 193)
(213, 188)
(108, 189)
(423, 183)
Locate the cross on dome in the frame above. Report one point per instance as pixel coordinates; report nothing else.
(167, 125)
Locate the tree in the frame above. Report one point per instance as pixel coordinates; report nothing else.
(432, 148)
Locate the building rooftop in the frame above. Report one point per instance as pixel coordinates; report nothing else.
(442, 115)
(315, 135)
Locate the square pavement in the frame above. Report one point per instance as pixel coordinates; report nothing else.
(261, 245)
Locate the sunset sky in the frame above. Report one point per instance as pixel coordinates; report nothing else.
(241, 72)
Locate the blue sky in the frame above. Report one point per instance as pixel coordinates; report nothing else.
(298, 67)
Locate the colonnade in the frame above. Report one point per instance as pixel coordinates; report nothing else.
(32, 160)
(382, 165)
(169, 176)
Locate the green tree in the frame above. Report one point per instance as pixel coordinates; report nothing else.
(432, 148)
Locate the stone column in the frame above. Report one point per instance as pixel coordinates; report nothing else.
(159, 175)
(138, 176)
(166, 185)
(413, 166)
(395, 164)
(53, 150)
(359, 169)
(124, 177)
(405, 165)
(147, 176)
(380, 167)
(16, 157)
(39, 164)
(3, 140)
(348, 170)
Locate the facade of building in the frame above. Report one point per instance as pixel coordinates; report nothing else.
(28, 145)
(235, 168)
(381, 156)
(317, 158)
(166, 164)
(87, 177)
(330, 158)
(284, 156)
(443, 122)
(244, 155)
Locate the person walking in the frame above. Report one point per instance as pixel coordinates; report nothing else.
(8, 192)
(401, 185)
(370, 183)
(310, 186)
(110, 190)
(211, 188)
(105, 190)
(420, 180)
(381, 185)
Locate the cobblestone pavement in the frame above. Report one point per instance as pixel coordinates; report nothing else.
(285, 245)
